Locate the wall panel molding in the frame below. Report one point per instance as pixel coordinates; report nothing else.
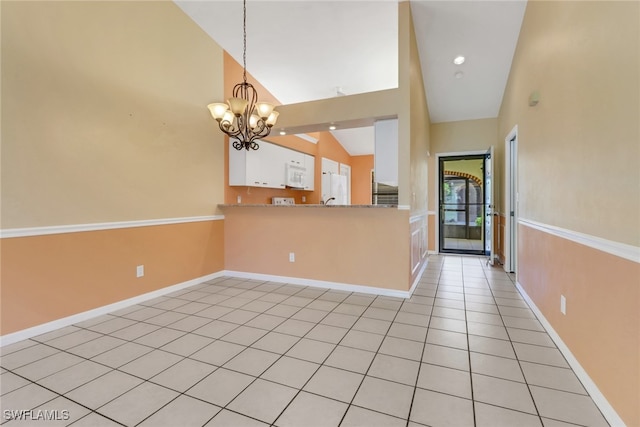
(622, 250)
(77, 228)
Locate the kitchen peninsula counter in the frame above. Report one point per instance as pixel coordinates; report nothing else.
(303, 205)
(338, 246)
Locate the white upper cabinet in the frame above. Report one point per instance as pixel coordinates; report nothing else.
(272, 167)
(266, 167)
(386, 151)
(294, 157)
(310, 166)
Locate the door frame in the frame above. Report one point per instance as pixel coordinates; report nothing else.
(490, 208)
(437, 190)
(511, 193)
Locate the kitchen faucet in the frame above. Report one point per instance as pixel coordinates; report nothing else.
(326, 202)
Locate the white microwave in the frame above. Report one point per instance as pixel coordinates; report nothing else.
(296, 176)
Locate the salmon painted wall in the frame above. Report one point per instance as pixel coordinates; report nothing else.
(357, 246)
(583, 136)
(50, 277)
(327, 146)
(100, 125)
(431, 227)
(361, 167)
(602, 324)
(499, 223)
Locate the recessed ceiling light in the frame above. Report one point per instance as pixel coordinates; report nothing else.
(458, 74)
(458, 60)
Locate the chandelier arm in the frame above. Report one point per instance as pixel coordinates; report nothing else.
(238, 145)
(261, 130)
(228, 128)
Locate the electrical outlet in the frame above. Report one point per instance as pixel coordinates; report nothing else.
(292, 257)
(239, 199)
(563, 305)
(140, 271)
(304, 199)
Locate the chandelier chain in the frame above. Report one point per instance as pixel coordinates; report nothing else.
(243, 118)
(244, 40)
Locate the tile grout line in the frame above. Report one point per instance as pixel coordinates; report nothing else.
(516, 354)
(466, 325)
(316, 323)
(225, 407)
(424, 346)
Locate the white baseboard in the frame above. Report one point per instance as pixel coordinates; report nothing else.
(86, 315)
(419, 276)
(601, 402)
(347, 287)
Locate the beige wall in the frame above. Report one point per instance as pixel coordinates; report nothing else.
(582, 57)
(578, 158)
(357, 246)
(420, 137)
(104, 119)
(104, 122)
(413, 139)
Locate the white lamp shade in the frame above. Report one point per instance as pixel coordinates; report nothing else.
(217, 110)
(273, 117)
(264, 109)
(253, 121)
(228, 117)
(238, 105)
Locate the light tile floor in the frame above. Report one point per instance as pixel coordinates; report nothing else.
(464, 350)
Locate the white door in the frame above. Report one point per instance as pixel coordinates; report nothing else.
(489, 204)
(345, 170)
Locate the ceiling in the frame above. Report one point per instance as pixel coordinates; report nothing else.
(306, 50)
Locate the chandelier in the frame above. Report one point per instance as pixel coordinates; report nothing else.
(242, 117)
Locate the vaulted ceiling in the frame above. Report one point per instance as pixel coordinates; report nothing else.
(305, 50)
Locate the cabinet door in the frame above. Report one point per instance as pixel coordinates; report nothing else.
(294, 157)
(237, 166)
(310, 166)
(253, 165)
(245, 168)
(272, 165)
